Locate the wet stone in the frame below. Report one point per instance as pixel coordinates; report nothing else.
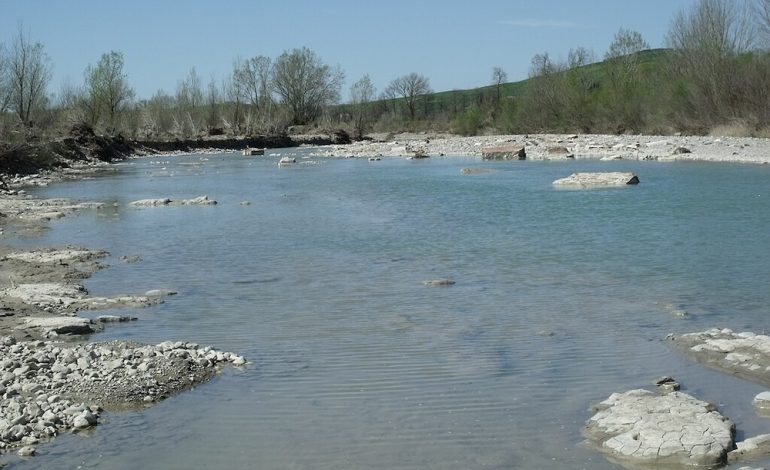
(642, 427)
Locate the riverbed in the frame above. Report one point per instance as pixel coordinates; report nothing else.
(316, 273)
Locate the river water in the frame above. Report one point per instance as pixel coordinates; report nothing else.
(561, 298)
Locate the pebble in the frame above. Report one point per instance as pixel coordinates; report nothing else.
(47, 388)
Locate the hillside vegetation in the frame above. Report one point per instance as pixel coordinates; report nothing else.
(711, 77)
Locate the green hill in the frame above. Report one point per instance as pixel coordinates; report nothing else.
(471, 110)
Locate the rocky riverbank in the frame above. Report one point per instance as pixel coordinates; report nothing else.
(52, 379)
(564, 146)
(80, 147)
(51, 387)
(671, 428)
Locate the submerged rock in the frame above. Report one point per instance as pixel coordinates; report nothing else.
(476, 171)
(439, 282)
(593, 180)
(642, 427)
(115, 318)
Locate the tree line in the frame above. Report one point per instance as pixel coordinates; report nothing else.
(711, 77)
(713, 72)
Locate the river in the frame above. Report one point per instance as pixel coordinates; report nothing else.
(561, 298)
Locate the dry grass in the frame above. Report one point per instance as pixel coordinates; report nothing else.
(735, 129)
(740, 129)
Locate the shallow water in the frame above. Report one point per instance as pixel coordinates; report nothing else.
(562, 297)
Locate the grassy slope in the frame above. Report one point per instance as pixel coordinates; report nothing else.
(650, 61)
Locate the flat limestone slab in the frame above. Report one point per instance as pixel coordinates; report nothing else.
(56, 256)
(61, 325)
(596, 180)
(745, 354)
(640, 427)
(161, 202)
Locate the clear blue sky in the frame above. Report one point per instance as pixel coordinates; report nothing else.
(454, 43)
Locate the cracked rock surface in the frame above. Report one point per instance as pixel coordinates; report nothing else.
(643, 427)
(597, 180)
(745, 354)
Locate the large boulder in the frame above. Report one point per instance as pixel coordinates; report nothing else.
(642, 427)
(504, 152)
(595, 180)
(559, 153)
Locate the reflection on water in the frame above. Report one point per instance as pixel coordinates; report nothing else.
(561, 298)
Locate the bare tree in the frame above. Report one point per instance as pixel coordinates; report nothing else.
(232, 88)
(706, 40)
(213, 102)
(390, 94)
(498, 78)
(580, 86)
(189, 98)
(623, 55)
(544, 101)
(411, 87)
(626, 44)
(624, 104)
(762, 12)
(107, 87)
(305, 84)
(30, 71)
(254, 82)
(254, 75)
(361, 94)
(714, 27)
(158, 114)
(5, 80)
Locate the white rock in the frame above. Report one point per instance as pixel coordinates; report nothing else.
(152, 202)
(762, 401)
(26, 451)
(593, 180)
(643, 427)
(751, 448)
(60, 325)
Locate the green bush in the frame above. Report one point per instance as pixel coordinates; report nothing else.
(469, 122)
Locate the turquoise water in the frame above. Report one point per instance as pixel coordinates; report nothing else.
(561, 298)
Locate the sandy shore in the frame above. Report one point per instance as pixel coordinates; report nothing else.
(561, 146)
